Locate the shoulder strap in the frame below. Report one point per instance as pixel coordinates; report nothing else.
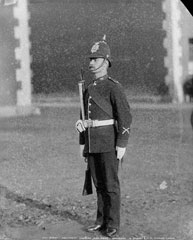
(100, 101)
(113, 80)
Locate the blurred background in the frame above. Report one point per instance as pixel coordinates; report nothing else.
(64, 31)
(141, 36)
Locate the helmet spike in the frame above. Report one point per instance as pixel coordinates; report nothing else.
(104, 38)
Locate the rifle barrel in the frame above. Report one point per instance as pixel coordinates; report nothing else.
(80, 85)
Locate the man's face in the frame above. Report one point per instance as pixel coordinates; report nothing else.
(96, 64)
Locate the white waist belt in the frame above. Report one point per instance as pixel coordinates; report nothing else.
(98, 123)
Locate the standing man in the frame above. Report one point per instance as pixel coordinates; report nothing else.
(104, 137)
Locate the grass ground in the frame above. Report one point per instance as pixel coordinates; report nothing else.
(41, 175)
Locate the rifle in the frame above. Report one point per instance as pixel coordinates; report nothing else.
(87, 188)
(80, 123)
(81, 89)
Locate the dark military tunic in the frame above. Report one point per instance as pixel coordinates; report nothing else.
(110, 93)
(104, 99)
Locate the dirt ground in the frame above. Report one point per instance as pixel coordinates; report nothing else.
(41, 176)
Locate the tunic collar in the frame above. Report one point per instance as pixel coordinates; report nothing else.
(100, 78)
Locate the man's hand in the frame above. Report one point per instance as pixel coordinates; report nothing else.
(81, 150)
(80, 126)
(120, 152)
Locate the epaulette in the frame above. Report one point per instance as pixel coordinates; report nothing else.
(113, 80)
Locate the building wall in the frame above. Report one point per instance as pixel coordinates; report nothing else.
(15, 71)
(187, 34)
(63, 32)
(7, 58)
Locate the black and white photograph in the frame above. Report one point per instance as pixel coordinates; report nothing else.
(96, 120)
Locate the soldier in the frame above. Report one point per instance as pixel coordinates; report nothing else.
(105, 134)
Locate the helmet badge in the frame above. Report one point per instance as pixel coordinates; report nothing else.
(95, 47)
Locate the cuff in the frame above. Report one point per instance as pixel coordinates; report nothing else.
(121, 143)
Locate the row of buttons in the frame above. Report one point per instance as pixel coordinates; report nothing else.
(89, 104)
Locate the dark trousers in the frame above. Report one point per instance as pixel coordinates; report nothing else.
(104, 171)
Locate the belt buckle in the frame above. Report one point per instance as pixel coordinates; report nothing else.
(90, 123)
(94, 123)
